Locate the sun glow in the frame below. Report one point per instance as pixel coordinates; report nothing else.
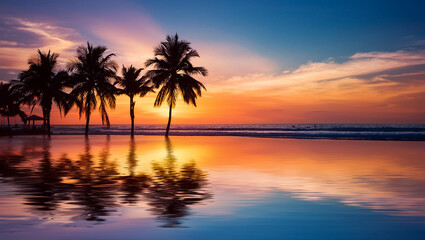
(243, 86)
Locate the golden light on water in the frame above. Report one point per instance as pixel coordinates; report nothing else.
(355, 172)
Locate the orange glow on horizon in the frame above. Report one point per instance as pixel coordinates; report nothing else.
(245, 87)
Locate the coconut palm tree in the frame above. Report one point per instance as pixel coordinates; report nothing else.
(9, 103)
(131, 85)
(173, 73)
(92, 72)
(42, 84)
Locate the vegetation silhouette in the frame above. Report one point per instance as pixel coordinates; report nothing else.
(42, 84)
(92, 73)
(173, 73)
(93, 183)
(132, 84)
(91, 79)
(10, 103)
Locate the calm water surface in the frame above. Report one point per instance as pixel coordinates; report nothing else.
(115, 187)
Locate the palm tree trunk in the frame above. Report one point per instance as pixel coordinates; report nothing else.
(132, 114)
(48, 123)
(44, 119)
(169, 121)
(47, 119)
(87, 122)
(88, 111)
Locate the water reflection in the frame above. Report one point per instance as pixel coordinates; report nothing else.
(93, 183)
(173, 190)
(133, 184)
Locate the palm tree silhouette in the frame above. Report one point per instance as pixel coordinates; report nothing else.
(92, 72)
(9, 103)
(132, 85)
(173, 73)
(43, 85)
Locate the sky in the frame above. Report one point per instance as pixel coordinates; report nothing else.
(269, 61)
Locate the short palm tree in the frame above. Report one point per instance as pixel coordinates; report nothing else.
(92, 73)
(173, 73)
(42, 84)
(10, 103)
(131, 85)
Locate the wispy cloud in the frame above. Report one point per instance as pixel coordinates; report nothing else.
(242, 84)
(8, 43)
(134, 43)
(43, 36)
(332, 77)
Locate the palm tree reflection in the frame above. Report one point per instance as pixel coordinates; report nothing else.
(96, 186)
(43, 184)
(133, 184)
(172, 190)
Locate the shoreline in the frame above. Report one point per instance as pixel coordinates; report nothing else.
(407, 137)
(378, 132)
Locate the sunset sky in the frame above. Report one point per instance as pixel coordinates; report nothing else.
(268, 61)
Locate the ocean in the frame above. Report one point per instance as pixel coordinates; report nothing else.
(109, 187)
(414, 132)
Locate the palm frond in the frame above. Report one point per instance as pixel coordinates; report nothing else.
(172, 72)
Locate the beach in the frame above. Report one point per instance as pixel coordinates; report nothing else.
(210, 187)
(233, 120)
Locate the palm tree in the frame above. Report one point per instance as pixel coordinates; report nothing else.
(132, 85)
(173, 73)
(42, 85)
(91, 75)
(9, 103)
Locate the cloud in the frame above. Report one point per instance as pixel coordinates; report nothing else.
(241, 84)
(355, 90)
(134, 44)
(8, 43)
(332, 77)
(224, 60)
(43, 36)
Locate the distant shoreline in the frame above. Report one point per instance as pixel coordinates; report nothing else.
(379, 132)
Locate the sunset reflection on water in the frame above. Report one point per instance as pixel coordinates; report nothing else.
(171, 183)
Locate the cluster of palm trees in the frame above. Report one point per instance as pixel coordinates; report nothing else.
(91, 82)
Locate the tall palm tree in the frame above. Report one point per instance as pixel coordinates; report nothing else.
(92, 72)
(42, 84)
(10, 103)
(173, 73)
(131, 84)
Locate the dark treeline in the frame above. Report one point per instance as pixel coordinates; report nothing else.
(91, 82)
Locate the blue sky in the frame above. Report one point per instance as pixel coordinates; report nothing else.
(304, 30)
(291, 32)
